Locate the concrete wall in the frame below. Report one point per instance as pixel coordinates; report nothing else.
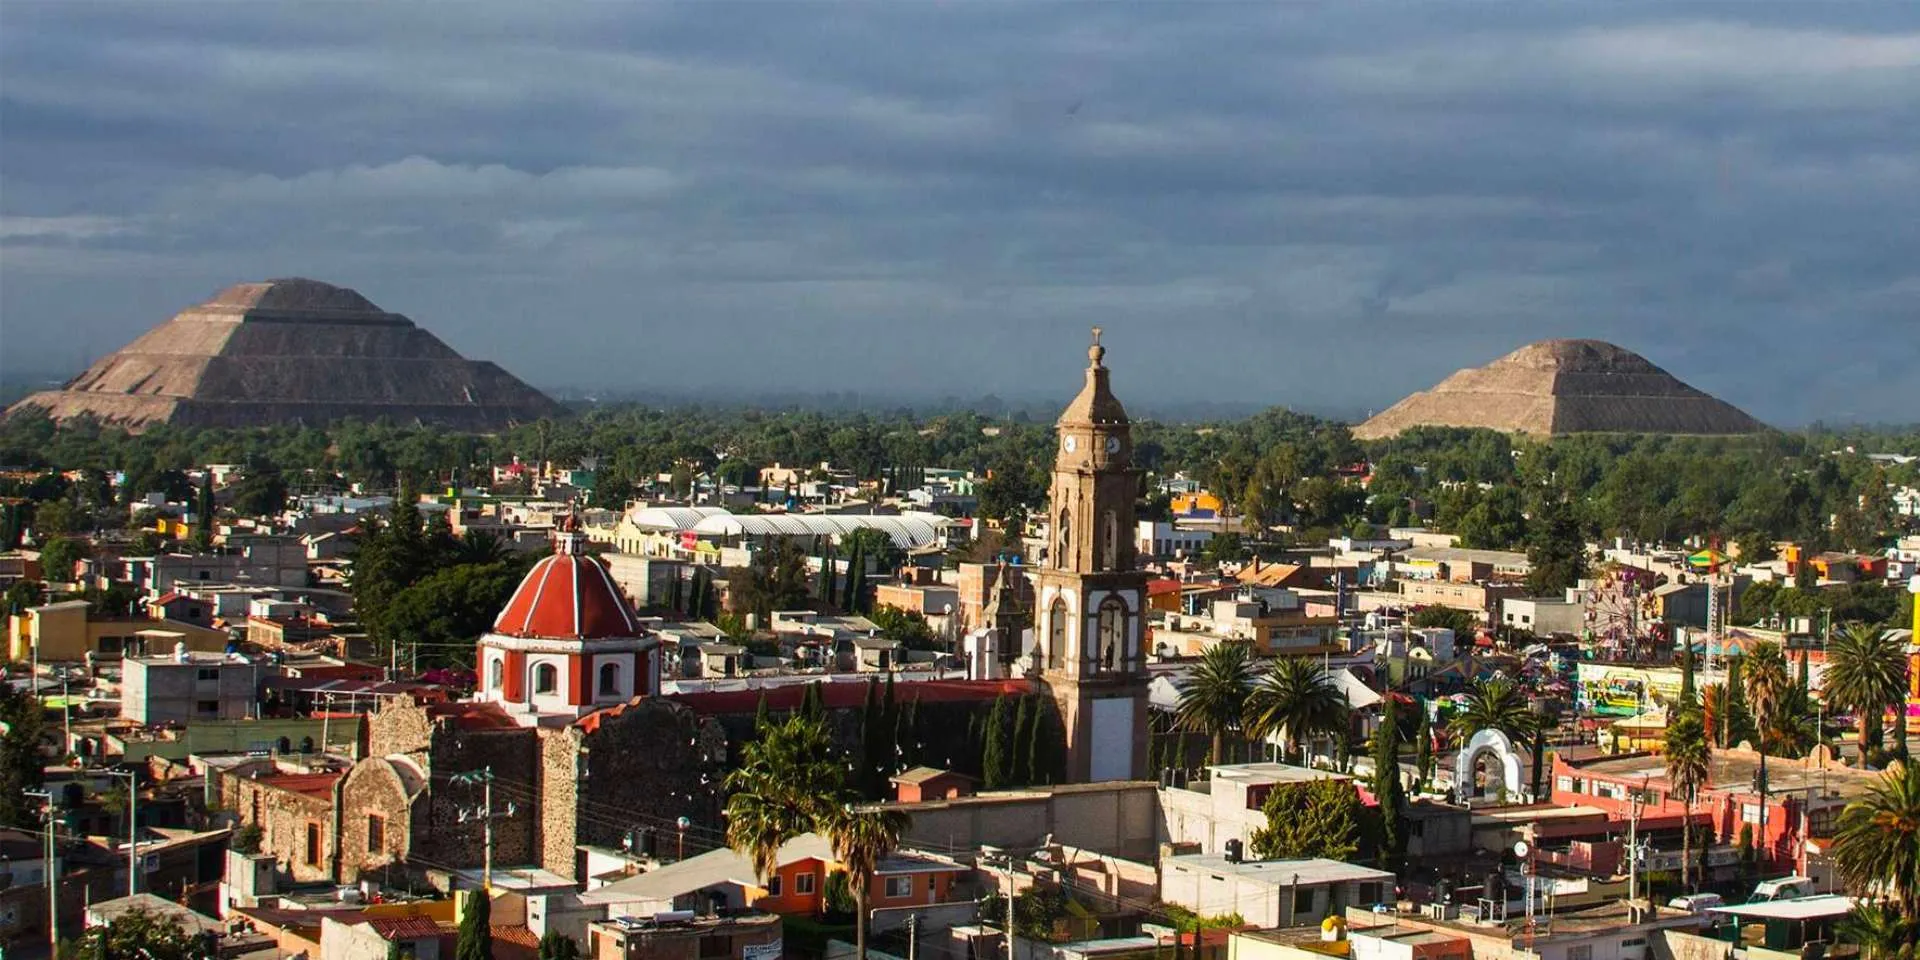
(1117, 818)
(155, 690)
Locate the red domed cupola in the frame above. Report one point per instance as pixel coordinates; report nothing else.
(567, 596)
(567, 643)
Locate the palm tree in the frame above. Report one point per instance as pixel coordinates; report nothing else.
(1687, 770)
(1866, 672)
(480, 546)
(1295, 700)
(861, 839)
(1876, 847)
(1496, 704)
(1214, 701)
(1879, 931)
(1713, 711)
(785, 786)
(1766, 678)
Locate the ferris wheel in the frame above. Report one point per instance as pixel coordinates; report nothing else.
(1613, 612)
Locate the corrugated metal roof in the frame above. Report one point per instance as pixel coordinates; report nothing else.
(907, 531)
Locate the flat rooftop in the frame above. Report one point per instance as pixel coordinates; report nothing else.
(1733, 771)
(1273, 773)
(1279, 872)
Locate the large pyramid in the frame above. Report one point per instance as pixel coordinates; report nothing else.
(1558, 387)
(291, 351)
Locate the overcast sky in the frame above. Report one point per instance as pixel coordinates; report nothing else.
(1324, 206)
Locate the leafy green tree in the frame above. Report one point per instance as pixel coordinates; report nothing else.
(1044, 747)
(452, 605)
(140, 935)
(1556, 551)
(776, 580)
(475, 941)
(877, 547)
(60, 557)
(1459, 621)
(1295, 700)
(1224, 548)
(1214, 698)
(54, 518)
(21, 595)
(1496, 521)
(22, 759)
(1318, 818)
(906, 626)
(558, 946)
(260, 492)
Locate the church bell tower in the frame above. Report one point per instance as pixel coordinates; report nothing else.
(1089, 600)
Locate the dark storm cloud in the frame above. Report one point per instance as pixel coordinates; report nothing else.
(1325, 206)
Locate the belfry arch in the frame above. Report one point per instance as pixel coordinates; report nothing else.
(1501, 746)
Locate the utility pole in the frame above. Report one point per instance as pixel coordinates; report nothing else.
(52, 872)
(133, 827)
(990, 856)
(913, 937)
(1633, 845)
(486, 815)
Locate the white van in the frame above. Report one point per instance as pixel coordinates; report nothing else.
(1782, 888)
(1698, 902)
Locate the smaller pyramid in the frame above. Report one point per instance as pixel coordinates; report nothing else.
(291, 351)
(1558, 387)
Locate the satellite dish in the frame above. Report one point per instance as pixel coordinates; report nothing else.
(1520, 848)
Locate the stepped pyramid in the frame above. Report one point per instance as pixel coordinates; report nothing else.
(291, 351)
(1557, 387)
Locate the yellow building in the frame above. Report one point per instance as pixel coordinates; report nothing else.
(1201, 505)
(67, 631)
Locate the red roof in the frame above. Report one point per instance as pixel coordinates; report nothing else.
(471, 715)
(844, 696)
(567, 596)
(1162, 585)
(404, 928)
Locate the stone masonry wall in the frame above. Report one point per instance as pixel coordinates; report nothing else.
(284, 817)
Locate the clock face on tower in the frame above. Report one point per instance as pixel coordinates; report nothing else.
(1113, 444)
(1072, 443)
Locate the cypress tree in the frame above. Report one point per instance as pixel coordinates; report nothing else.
(813, 705)
(1022, 752)
(871, 746)
(1539, 762)
(1687, 699)
(1422, 745)
(995, 762)
(857, 582)
(890, 725)
(824, 590)
(1387, 789)
(1040, 752)
(476, 929)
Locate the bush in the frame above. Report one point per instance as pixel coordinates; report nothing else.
(246, 839)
